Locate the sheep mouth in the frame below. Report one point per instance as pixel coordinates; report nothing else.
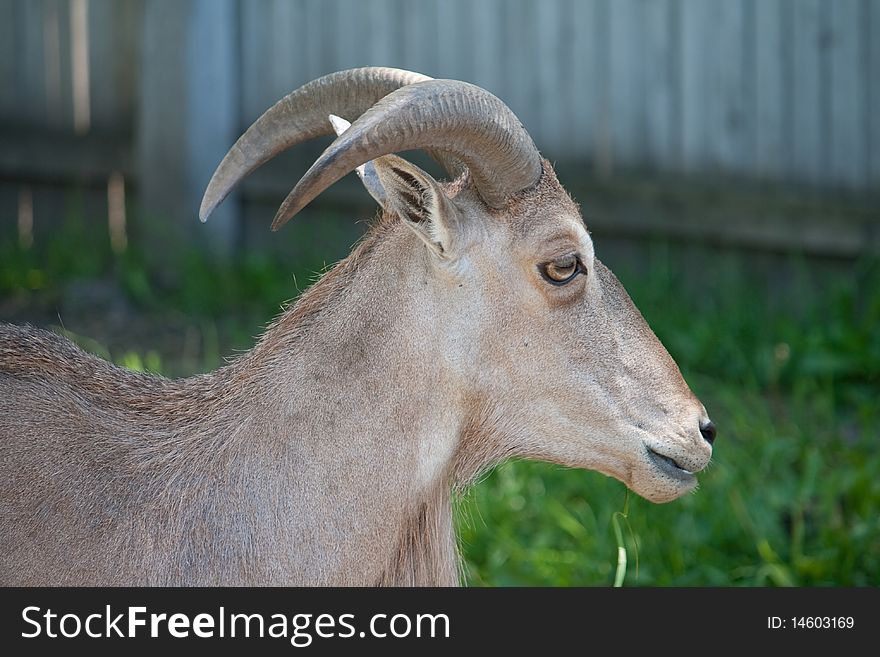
(670, 467)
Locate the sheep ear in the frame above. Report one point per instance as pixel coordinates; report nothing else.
(366, 172)
(418, 200)
(404, 189)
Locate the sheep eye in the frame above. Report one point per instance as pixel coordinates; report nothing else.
(562, 271)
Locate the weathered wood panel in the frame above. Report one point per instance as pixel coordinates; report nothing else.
(808, 103)
(627, 81)
(847, 92)
(114, 30)
(871, 40)
(781, 91)
(662, 65)
(729, 97)
(584, 84)
(695, 17)
(189, 115)
(30, 82)
(8, 60)
(771, 101)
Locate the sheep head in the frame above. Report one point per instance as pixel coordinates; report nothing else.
(553, 360)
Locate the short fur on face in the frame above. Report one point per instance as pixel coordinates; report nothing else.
(572, 372)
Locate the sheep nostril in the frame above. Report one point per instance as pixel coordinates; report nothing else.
(707, 430)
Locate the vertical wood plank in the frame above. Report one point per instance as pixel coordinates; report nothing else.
(449, 41)
(67, 65)
(55, 56)
(806, 120)
(212, 112)
(770, 105)
(872, 42)
(114, 44)
(518, 89)
(603, 150)
(328, 31)
(714, 100)
(131, 17)
(729, 97)
(585, 78)
(549, 129)
(31, 67)
(161, 128)
(310, 31)
(847, 153)
(695, 17)
(627, 82)
(486, 17)
(8, 60)
(350, 34)
(319, 30)
(80, 73)
(469, 36)
(256, 54)
(381, 35)
(288, 67)
(564, 95)
(188, 117)
(420, 37)
(661, 83)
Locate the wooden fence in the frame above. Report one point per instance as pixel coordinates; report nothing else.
(769, 91)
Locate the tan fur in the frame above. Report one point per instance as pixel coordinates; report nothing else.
(328, 454)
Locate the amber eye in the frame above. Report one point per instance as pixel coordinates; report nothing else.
(561, 271)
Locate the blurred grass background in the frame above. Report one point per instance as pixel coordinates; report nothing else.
(789, 372)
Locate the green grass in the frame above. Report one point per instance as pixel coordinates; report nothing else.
(790, 374)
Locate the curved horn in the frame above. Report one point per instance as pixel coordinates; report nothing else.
(445, 115)
(299, 116)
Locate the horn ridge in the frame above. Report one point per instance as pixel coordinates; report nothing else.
(450, 116)
(299, 116)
